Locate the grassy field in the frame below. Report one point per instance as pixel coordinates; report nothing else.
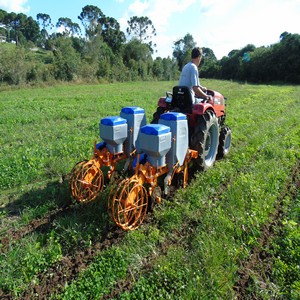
(232, 233)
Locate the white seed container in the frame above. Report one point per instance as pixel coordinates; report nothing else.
(113, 131)
(180, 137)
(155, 141)
(136, 118)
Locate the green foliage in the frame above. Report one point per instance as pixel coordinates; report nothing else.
(89, 17)
(142, 29)
(66, 60)
(286, 251)
(36, 254)
(182, 50)
(276, 63)
(105, 55)
(13, 66)
(192, 245)
(167, 280)
(100, 276)
(137, 58)
(70, 28)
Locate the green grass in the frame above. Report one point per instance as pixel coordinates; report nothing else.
(192, 246)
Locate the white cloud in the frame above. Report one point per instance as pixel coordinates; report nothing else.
(17, 6)
(138, 7)
(160, 13)
(216, 24)
(215, 8)
(244, 22)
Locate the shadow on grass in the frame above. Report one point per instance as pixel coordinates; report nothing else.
(54, 194)
(52, 211)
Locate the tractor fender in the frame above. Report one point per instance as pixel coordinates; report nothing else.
(162, 102)
(201, 108)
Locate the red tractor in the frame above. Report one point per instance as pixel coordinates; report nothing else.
(208, 133)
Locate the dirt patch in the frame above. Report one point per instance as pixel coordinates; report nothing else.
(67, 269)
(179, 237)
(41, 224)
(260, 263)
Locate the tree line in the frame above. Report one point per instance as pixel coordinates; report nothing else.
(32, 51)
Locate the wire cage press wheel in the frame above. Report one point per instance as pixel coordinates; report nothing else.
(128, 204)
(87, 181)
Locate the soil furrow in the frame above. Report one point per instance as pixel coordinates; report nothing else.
(259, 263)
(179, 238)
(67, 269)
(41, 224)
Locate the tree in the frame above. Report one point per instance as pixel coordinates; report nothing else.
(158, 68)
(285, 56)
(182, 50)
(89, 18)
(66, 59)
(44, 20)
(284, 35)
(19, 27)
(31, 30)
(70, 28)
(170, 69)
(3, 28)
(96, 23)
(137, 57)
(14, 23)
(13, 65)
(3, 15)
(208, 54)
(232, 53)
(141, 28)
(210, 67)
(111, 33)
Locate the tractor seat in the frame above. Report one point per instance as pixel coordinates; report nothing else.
(182, 99)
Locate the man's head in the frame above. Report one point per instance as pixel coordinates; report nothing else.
(196, 52)
(196, 55)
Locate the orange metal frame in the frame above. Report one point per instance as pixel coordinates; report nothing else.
(147, 173)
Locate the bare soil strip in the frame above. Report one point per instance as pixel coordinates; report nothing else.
(178, 238)
(67, 269)
(259, 263)
(41, 224)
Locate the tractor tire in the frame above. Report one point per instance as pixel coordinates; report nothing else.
(157, 114)
(205, 140)
(224, 142)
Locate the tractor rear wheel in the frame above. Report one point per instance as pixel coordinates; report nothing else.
(205, 140)
(224, 142)
(157, 114)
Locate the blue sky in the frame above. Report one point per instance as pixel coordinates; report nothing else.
(222, 25)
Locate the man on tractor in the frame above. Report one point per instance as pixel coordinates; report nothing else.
(190, 77)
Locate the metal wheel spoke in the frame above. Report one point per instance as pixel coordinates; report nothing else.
(128, 204)
(87, 181)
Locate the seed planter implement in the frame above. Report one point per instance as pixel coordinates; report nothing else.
(159, 155)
